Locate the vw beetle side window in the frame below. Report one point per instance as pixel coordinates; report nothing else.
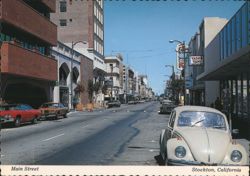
(172, 119)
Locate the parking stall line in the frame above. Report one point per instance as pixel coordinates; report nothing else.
(53, 137)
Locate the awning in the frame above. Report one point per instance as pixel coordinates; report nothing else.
(229, 68)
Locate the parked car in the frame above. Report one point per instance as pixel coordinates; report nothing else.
(167, 106)
(53, 110)
(198, 135)
(131, 102)
(114, 103)
(18, 114)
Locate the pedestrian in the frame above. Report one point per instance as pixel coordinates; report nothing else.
(218, 104)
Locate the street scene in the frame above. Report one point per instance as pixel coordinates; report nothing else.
(104, 137)
(125, 83)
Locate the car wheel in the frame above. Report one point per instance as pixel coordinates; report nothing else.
(163, 160)
(17, 122)
(65, 115)
(56, 117)
(166, 160)
(34, 121)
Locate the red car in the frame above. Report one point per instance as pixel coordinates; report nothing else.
(18, 114)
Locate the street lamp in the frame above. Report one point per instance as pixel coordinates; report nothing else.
(183, 50)
(71, 70)
(172, 41)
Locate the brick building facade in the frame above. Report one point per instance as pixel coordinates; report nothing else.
(28, 71)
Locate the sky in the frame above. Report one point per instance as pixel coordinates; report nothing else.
(141, 30)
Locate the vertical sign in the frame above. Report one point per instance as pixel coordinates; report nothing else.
(180, 62)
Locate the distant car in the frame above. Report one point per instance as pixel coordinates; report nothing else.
(53, 110)
(198, 135)
(18, 114)
(131, 102)
(115, 103)
(166, 107)
(141, 101)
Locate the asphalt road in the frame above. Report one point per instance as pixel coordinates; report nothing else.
(118, 136)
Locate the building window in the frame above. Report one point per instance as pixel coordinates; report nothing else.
(221, 46)
(244, 25)
(233, 35)
(238, 31)
(63, 6)
(63, 22)
(229, 34)
(248, 23)
(225, 42)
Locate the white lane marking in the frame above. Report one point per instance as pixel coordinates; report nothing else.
(85, 126)
(53, 137)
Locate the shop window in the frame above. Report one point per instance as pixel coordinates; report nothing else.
(244, 25)
(7, 38)
(63, 6)
(239, 96)
(244, 92)
(248, 94)
(233, 96)
(2, 37)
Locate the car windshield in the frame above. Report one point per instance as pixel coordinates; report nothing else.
(52, 105)
(201, 119)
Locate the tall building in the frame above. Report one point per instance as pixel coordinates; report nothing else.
(81, 68)
(28, 71)
(81, 26)
(114, 78)
(199, 92)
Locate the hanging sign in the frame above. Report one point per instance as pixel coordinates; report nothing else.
(196, 60)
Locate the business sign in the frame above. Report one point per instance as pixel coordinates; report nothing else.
(196, 60)
(180, 62)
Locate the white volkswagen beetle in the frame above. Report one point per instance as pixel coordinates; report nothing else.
(197, 135)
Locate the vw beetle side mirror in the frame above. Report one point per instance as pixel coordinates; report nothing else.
(235, 133)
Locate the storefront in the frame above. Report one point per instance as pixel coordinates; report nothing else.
(233, 70)
(235, 96)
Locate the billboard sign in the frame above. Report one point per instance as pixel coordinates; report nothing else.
(196, 60)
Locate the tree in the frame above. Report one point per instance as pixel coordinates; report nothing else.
(177, 86)
(79, 88)
(90, 90)
(104, 89)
